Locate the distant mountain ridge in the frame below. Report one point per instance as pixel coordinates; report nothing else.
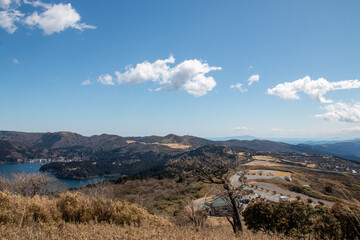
(347, 150)
(23, 144)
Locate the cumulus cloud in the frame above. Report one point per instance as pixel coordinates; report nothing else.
(8, 18)
(55, 18)
(189, 75)
(253, 78)
(316, 89)
(52, 18)
(157, 71)
(342, 112)
(242, 129)
(106, 79)
(238, 86)
(86, 82)
(16, 61)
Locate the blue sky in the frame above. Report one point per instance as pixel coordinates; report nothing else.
(184, 67)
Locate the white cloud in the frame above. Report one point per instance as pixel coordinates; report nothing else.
(342, 112)
(16, 61)
(53, 17)
(242, 129)
(86, 82)
(189, 75)
(316, 89)
(238, 86)
(156, 71)
(37, 3)
(253, 78)
(6, 4)
(8, 18)
(106, 79)
(251, 67)
(56, 18)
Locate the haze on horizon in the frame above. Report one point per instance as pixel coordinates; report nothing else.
(279, 69)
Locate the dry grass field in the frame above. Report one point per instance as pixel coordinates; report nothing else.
(265, 158)
(262, 163)
(176, 145)
(95, 231)
(262, 160)
(75, 216)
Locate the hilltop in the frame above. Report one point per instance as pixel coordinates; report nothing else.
(69, 140)
(153, 179)
(72, 155)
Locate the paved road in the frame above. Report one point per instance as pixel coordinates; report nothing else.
(271, 188)
(253, 177)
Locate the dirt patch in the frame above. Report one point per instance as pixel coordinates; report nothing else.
(175, 145)
(170, 145)
(265, 158)
(261, 163)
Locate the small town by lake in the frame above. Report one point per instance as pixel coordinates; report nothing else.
(33, 167)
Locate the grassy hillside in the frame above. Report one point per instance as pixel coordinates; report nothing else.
(76, 216)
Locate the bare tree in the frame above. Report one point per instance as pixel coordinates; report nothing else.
(196, 216)
(31, 184)
(212, 169)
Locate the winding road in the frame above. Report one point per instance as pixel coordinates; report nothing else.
(268, 195)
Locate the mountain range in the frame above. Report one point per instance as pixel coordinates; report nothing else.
(86, 155)
(24, 145)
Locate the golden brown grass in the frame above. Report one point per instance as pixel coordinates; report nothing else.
(176, 145)
(265, 158)
(75, 216)
(262, 163)
(110, 231)
(164, 196)
(70, 207)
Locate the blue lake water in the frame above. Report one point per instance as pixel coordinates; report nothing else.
(7, 169)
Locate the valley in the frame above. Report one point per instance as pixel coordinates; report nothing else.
(165, 175)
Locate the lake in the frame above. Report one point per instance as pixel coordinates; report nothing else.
(8, 168)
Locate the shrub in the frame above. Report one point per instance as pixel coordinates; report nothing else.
(325, 224)
(69, 207)
(259, 216)
(349, 217)
(295, 219)
(25, 210)
(73, 208)
(328, 189)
